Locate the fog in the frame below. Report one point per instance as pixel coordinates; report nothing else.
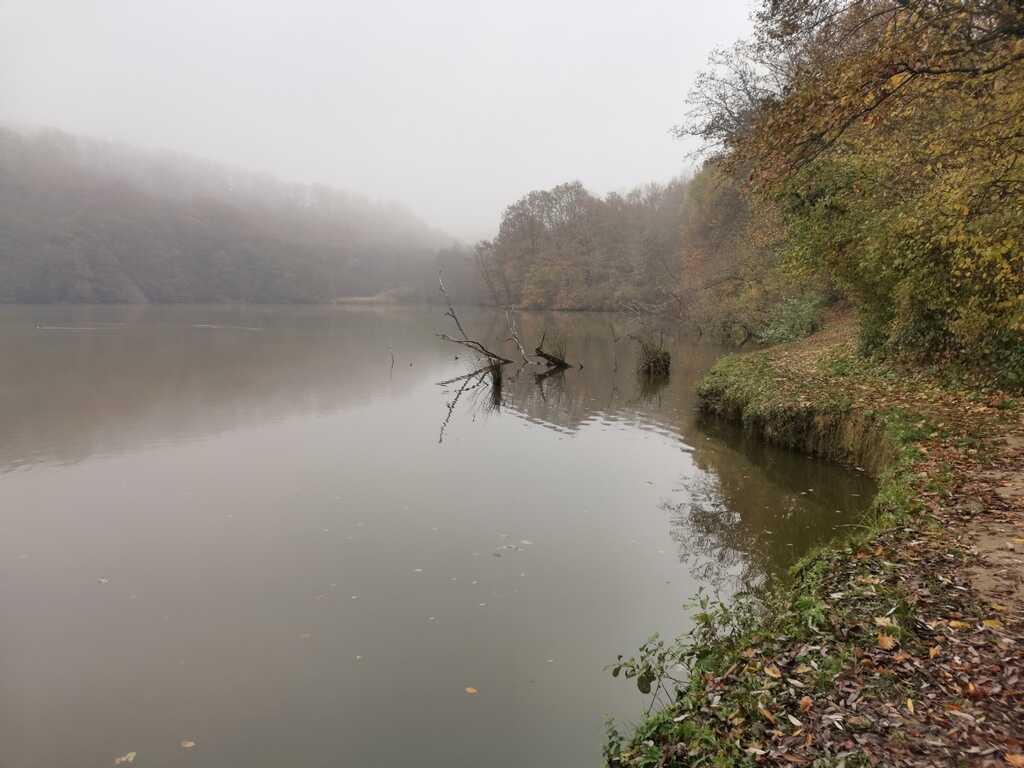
(451, 108)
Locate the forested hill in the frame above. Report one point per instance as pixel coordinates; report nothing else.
(90, 221)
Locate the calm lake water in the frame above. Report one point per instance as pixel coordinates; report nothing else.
(238, 527)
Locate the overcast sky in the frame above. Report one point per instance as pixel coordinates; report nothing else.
(454, 108)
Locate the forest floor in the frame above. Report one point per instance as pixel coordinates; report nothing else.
(902, 645)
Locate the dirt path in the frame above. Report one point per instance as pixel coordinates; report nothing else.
(997, 528)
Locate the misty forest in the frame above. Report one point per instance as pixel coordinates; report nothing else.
(556, 385)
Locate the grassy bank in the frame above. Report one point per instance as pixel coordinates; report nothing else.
(899, 645)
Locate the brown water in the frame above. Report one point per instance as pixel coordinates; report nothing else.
(238, 527)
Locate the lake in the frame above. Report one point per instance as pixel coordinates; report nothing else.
(267, 531)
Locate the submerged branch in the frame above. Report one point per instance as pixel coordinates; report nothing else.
(465, 341)
(477, 347)
(554, 360)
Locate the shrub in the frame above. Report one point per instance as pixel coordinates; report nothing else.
(793, 319)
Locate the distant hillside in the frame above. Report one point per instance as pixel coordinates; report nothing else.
(89, 221)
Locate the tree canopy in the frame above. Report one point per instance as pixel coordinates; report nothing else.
(888, 135)
(564, 248)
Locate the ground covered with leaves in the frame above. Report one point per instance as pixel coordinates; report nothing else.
(902, 645)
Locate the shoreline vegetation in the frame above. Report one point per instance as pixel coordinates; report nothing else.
(862, 154)
(899, 644)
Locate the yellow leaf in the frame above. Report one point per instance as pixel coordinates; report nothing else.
(1015, 759)
(772, 671)
(471, 690)
(910, 706)
(954, 624)
(883, 621)
(187, 744)
(886, 642)
(993, 623)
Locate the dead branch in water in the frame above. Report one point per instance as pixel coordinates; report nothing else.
(615, 341)
(553, 360)
(513, 330)
(477, 347)
(465, 341)
(655, 359)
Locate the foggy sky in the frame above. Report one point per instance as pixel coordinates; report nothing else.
(454, 108)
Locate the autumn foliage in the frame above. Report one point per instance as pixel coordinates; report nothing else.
(887, 135)
(564, 248)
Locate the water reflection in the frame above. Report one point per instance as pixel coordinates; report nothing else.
(749, 513)
(84, 380)
(192, 497)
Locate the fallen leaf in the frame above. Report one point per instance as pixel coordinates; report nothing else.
(1015, 759)
(772, 671)
(993, 623)
(902, 656)
(125, 759)
(883, 621)
(471, 690)
(187, 744)
(766, 714)
(886, 642)
(910, 706)
(795, 722)
(934, 651)
(955, 624)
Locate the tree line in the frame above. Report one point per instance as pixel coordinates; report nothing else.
(867, 151)
(565, 248)
(97, 222)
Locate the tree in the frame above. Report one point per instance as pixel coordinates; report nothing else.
(889, 133)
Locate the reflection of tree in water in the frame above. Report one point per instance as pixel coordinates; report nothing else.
(754, 510)
(745, 510)
(480, 390)
(651, 388)
(707, 533)
(601, 385)
(106, 379)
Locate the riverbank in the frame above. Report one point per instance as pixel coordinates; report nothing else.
(900, 645)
